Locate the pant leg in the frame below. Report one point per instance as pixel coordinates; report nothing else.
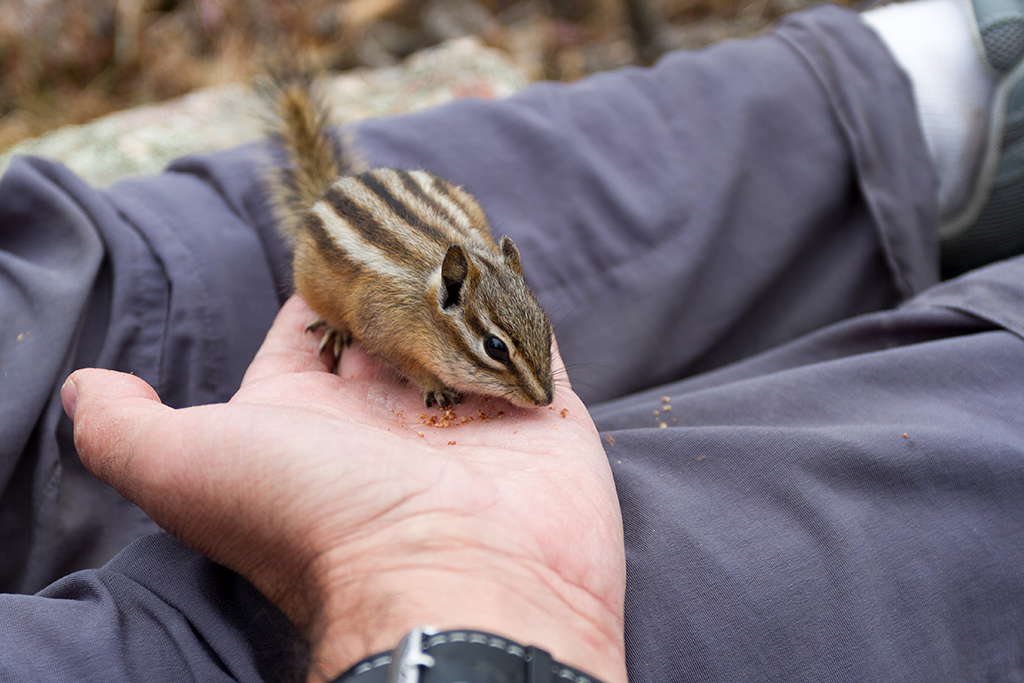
(678, 218)
(847, 507)
(157, 613)
(172, 278)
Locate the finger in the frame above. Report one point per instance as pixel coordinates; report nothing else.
(168, 462)
(289, 347)
(110, 411)
(185, 469)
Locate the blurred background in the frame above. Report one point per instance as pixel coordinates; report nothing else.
(69, 61)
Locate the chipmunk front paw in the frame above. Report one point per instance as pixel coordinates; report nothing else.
(332, 335)
(444, 397)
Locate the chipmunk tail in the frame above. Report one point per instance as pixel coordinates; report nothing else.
(309, 155)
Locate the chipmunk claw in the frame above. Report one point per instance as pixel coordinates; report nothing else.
(332, 335)
(445, 398)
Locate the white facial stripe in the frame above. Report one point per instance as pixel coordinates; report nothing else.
(477, 344)
(528, 373)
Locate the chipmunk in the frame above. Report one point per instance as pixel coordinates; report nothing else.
(403, 262)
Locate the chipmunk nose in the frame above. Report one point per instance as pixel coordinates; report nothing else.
(549, 395)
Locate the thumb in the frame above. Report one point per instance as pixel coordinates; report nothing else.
(112, 412)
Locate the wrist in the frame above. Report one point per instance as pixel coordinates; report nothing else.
(468, 589)
(426, 655)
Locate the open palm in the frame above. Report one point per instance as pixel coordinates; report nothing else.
(361, 513)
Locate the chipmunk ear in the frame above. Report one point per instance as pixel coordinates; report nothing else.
(454, 270)
(511, 254)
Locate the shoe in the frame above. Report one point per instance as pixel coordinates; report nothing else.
(990, 226)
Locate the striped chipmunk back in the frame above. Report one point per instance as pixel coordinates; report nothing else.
(403, 262)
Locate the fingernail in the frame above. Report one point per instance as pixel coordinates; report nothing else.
(69, 397)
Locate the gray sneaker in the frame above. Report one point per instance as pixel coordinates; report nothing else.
(990, 226)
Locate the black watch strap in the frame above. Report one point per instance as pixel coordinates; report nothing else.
(462, 656)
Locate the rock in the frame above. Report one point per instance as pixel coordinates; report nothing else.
(143, 140)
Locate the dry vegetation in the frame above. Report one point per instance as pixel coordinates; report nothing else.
(68, 61)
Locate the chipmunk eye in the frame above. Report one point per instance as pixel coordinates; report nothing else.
(497, 350)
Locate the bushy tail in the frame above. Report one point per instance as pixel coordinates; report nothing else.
(310, 158)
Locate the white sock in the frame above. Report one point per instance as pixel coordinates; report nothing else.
(932, 41)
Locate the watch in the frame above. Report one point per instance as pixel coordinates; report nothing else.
(461, 656)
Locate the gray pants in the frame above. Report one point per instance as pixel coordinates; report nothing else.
(819, 450)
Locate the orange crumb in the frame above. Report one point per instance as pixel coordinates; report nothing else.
(565, 413)
(451, 443)
(666, 409)
(665, 399)
(905, 435)
(610, 439)
(662, 425)
(702, 457)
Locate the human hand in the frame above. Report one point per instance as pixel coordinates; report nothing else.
(335, 496)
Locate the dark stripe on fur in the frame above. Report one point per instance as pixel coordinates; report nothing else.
(442, 187)
(327, 247)
(473, 322)
(400, 209)
(414, 188)
(364, 223)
